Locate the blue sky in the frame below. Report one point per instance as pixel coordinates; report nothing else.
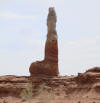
(23, 33)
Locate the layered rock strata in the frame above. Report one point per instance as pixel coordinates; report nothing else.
(90, 76)
(49, 66)
(74, 88)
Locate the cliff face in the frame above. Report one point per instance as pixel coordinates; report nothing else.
(49, 66)
(85, 87)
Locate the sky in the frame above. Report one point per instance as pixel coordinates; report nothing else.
(23, 34)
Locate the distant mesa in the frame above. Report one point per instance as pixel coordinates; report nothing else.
(49, 66)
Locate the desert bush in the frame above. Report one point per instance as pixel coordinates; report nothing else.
(47, 98)
(79, 102)
(27, 94)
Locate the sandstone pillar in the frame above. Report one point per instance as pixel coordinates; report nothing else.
(49, 66)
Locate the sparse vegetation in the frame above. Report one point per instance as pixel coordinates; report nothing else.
(27, 94)
(79, 102)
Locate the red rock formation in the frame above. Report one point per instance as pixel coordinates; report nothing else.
(49, 66)
(90, 76)
(64, 88)
(95, 70)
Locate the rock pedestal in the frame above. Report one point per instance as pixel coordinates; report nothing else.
(49, 66)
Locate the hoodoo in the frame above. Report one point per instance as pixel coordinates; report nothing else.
(49, 66)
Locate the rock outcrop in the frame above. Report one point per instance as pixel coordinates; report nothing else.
(83, 88)
(90, 76)
(49, 66)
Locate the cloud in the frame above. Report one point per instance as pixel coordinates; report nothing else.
(11, 15)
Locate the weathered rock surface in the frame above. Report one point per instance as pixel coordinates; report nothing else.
(90, 76)
(66, 88)
(49, 66)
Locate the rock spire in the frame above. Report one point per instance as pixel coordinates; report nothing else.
(49, 66)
